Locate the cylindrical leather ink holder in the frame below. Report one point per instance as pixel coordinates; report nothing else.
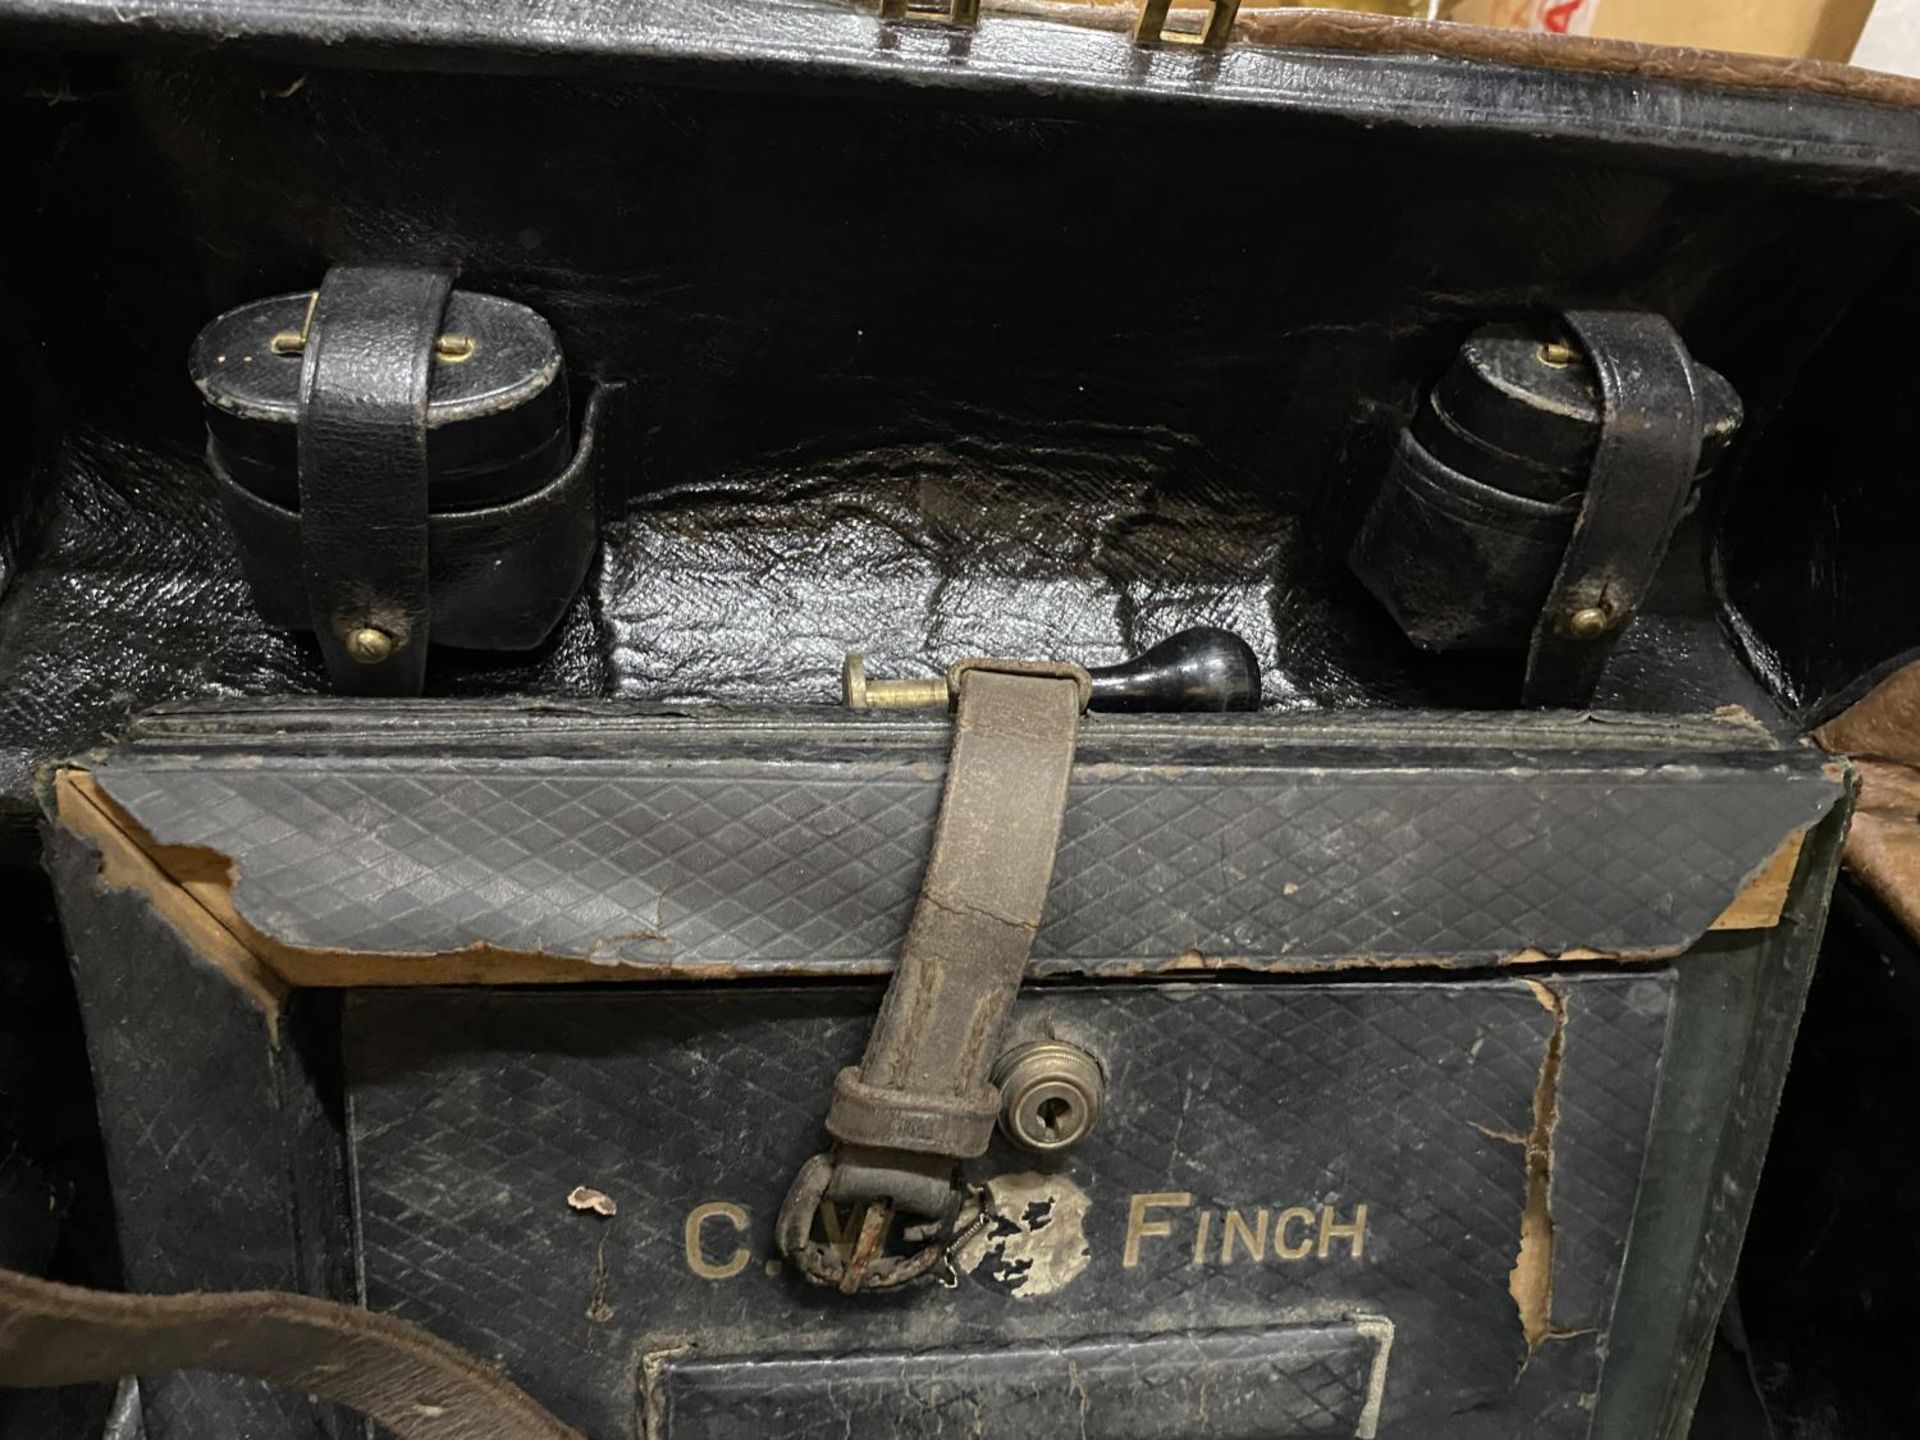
(1468, 529)
(510, 505)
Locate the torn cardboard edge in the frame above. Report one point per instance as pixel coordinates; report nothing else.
(127, 865)
(192, 887)
(1531, 1280)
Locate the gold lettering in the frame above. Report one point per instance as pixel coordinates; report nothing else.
(1139, 1227)
(696, 1252)
(1355, 1234)
(1284, 1249)
(840, 1233)
(1253, 1237)
(1200, 1237)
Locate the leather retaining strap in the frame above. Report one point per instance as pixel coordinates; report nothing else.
(362, 440)
(920, 1101)
(417, 1386)
(1643, 471)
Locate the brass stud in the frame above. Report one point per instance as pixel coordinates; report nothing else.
(448, 349)
(369, 645)
(1558, 354)
(1589, 622)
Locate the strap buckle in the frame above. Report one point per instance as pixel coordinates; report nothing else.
(921, 1101)
(864, 1266)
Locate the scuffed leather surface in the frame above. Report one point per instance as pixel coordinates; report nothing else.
(202, 1119)
(500, 577)
(1460, 563)
(766, 843)
(1298, 1381)
(473, 1110)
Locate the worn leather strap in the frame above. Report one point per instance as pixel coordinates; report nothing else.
(921, 1100)
(417, 1386)
(362, 440)
(923, 1084)
(1643, 470)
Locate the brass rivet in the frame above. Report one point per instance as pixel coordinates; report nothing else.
(1558, 354)
(369, 645)
(1589, 623)
(448, 349)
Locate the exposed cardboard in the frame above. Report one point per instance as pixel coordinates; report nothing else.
(127, 865)
(1759, 905)
(193, 889)
(1531, 1280)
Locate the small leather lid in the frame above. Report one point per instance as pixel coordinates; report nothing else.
(498, 425)
(1513, 413)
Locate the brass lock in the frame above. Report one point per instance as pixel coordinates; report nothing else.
(1050, 1095)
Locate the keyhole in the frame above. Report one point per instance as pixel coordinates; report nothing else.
(1050, 1095)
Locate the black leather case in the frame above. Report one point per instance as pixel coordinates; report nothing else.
(1025, 342)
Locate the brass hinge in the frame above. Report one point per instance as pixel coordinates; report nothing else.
(955, 14)
(1211, 33)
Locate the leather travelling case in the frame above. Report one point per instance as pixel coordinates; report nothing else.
(1436, 1011)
